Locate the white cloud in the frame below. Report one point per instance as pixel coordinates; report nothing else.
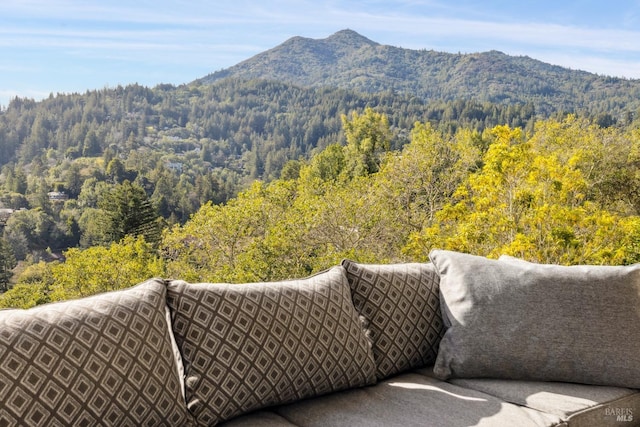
(594, 64)
(178, 39)
(539, 34)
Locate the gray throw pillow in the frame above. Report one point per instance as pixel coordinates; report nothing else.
(102, 360)
(251, 346)
(401, 305)
(518, 320)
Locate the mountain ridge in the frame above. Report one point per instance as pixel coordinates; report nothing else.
(349, 60)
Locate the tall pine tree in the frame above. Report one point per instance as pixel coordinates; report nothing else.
(7, 264)
(129, 213)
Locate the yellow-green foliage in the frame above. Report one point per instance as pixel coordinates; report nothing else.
(567, 193)
(554, 196)
(86, 272)
(290, 228)
(32, 289)
(535, 198)
(101, 269)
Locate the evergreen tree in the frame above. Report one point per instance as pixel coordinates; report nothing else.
(91, 146)
(7, 264)
(116, 170)
(73, 180)
(129, 213)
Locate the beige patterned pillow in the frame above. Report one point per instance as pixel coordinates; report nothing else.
(251, 346)
(401, 303)
(105, 359)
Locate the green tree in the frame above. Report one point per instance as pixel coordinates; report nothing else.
(528, 202)
(101, 269)
(418, 181)
(291, 170)
(93, 225)
(368, 135)
(39, 197)
(348, 220)
(32, 287)
(92, 191)
(18, 242)
(91, 145)
(13, 200)
(7, 264)
(16, 180)
(73, 180)
(329, 164)
(210, 245)
(163, 197)
(128, 212)
(116, 171)
(85, 272)
(34, 225)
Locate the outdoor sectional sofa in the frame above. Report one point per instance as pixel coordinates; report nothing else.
(461, 341)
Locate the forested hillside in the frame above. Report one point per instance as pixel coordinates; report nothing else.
(351, 61)
(250, 179)
(68, 163)
(566, 193)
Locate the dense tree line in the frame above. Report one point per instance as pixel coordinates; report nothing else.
(232, 124)
(254, 179)
(178, 148)
(565, 193)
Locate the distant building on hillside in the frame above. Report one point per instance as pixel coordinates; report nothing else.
(175, 166)
(57, 196)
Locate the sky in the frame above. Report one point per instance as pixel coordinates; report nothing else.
(65, 46)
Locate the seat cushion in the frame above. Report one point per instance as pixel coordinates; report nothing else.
(519, 403)
(262, 418)
(576, 404)
(250, 346)
(106, 359)
(517, 320)
(402, 307)
(412, 399)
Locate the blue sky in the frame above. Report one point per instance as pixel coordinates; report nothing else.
(62, 46)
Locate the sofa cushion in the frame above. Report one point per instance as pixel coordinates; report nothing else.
(102, 359)
(402, 308)
(576, 404)
(250, 346)
(262, 418)
(412, 399)
(533, 403)
(539, 322)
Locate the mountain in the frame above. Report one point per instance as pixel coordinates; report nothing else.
(188, 145)
(349, 60)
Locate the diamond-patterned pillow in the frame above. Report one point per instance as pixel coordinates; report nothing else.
(401, 303)
(100, 360)
(251, 346)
